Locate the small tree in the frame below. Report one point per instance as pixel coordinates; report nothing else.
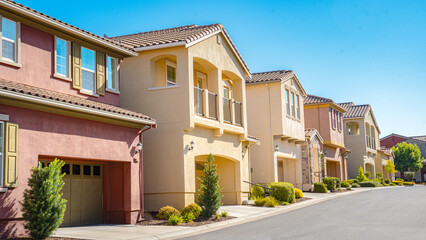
(368, 175)
(43, 205)
(407, 157)
(361, 177)
(209, 194)
(390, 167)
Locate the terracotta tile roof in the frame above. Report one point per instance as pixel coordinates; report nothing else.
(279, 75)
(9, 3)
(26, 90)
(387, 151)
(355, 111)
(313, 100)
(185, 34)
(421, 138)
(310, 132)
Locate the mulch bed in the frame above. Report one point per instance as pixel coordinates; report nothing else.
(197, 222)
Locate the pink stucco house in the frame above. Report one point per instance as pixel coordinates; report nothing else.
(60, 98)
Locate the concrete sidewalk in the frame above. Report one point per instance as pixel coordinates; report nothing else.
(242, 213)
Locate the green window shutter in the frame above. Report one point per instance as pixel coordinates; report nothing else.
(76, 66)
(11, 155)
(100, 73)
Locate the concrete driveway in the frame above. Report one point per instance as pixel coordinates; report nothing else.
(389, 213)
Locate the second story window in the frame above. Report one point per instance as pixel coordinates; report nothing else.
(112, 80)
(292, 105)
(170, 73)
(298, 107)
(62, 57)
(88, 69)
(287, 101)
(8, 40)
(333, 118)
(339, 121)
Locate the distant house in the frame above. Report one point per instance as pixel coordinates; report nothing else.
(382, 157)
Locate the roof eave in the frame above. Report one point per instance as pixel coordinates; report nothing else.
(52, 23)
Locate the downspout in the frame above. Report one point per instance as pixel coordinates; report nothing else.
(141, 190)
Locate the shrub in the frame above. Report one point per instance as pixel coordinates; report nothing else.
(257, 192)
(408, 183)
(283, 192)
(188, 217)
(320, 187)
(272, 202)
(387, 181)
(368, 175)
(43, 205)
(355, 185)
(369, 184)
(399, 183)
(260, 202)
(284, 203)
(385, 184)
(217, 216)
(193, 208)
(298, 193)
(337, 180)
(409, 176)
(392, 184)
(361, 176)
(346, 184)
(399, 179)
(175, 219)
(225, 214)
(330, 182)
(210, 193)
(348, 188)
(338, 189)
(166, 212)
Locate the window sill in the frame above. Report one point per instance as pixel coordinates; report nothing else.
(87, 92)
(61, 77)
(160, 88)
(13, 64)
(3, 189)
(112, 90)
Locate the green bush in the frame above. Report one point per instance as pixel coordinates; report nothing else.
(257, 192)
(399, 179)
(355, 185)
(260, 202)
(330, 183)
(210, 193)
(284, 203)
(361, 176)
(337, 180)
(43, 206)
(225, 214)
(175, 219)
(266, 202)
(283, 192)
(346, 184)
(166, 212)
(188, 217)
(320, 187)
(387, 181)
(408, 183)
(399, 183)
(369, 184)
(348, 188)
(193, 208)
(298, 193)
(392, 184)
(409, 176)
(272, 202)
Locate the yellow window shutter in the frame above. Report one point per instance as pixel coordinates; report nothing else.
(100, 73)
(11, 155)
(76, 66)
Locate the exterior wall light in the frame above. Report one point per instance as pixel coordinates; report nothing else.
(277, 148)
(191, 145)
(138, 147)
(325, 152)
(243, 153)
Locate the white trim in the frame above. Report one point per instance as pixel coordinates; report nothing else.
(88, 92)
(73, 107)
(166, 45)
(117, 85)
(17, 43)
(173, 65)
(69, 29)
(164, 87)
(56, 74)
(202, 39)
(4, 117)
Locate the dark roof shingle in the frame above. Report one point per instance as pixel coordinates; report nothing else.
(312, 99)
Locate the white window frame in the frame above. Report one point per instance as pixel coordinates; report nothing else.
(292, 103)
(297, 107)
(333, 118)
(174, 65)
(117, 80)
(339, 121)
(86, 91)
(17, 62)
(287, 102)
(2, 129)
(56, 74)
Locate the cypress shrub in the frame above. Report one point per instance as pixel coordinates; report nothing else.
(210, 193)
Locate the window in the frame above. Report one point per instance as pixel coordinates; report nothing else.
(287, 101)
(112, 81)
(88, 69)
(333, 118)
(292, 104)
(62, 57)
(1, 152)
(170, 73)
(339, 121)
(297, 107)
(8, 39)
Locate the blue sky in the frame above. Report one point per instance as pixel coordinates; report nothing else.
(362, 51)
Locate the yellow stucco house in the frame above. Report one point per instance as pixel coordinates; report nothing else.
(191, 79)
(276, 117)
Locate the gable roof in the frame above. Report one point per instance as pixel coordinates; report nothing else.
(274, 76)
(393, 134)
(314, 100)
(358, 111)
(48, 97)
(178, 36)
(58, 24)
(387, 151)
(421, 138)
(311, 132)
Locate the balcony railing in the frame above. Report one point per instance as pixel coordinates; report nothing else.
(198, 101)
(237, 113)
(212, 102)
(227, 110)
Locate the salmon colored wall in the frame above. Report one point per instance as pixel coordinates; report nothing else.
(391, 141)
(45, 134)
(320, 119)
(37, 59)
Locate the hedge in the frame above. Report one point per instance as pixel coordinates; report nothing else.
(369, 184)
(283, 192)
(320, 187)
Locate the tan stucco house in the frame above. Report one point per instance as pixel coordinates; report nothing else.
(275, 113)
(191, 79)
(325, 115)
(361, 136)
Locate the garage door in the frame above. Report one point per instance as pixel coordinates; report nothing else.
(83, 192)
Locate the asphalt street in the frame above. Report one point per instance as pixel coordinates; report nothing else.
(391, 213)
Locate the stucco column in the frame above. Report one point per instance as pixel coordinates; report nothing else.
(218, 73)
